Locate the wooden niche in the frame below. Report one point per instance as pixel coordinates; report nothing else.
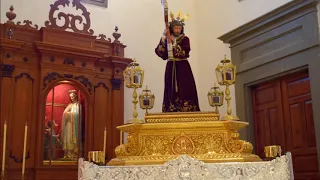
(66, 85)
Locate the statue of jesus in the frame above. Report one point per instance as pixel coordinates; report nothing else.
(180, 92)
(71, 120)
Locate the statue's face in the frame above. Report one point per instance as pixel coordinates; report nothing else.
(177, 30)
(73, 97)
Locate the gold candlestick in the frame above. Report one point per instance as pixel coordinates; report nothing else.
(104, 143)
(226, 75)
(228, 98)
(133, 78)
(24, 149)
(134, 101)
(4, 147)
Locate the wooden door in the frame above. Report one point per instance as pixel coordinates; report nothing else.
(283, 116)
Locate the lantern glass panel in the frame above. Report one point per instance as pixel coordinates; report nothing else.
(216, 99)
(136, 77)
(127, 78)
(219, 75)
(146, 100)
(152, 101)
(210, 99)
(229, 74)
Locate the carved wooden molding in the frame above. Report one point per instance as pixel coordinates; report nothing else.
(68, 61)
(7, 70)
(101, 84)
(116, 84)
(53, 48)
(101, 3)
(103, 37)
(27, 24)
(56, 76)
(69, 19)
(18, 160)
(11, 43)
(11, 15)
(265, 19)
(24, 74)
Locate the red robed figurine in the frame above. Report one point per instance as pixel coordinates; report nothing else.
(180, 92)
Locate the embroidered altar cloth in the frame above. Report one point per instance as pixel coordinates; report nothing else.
(187, 168)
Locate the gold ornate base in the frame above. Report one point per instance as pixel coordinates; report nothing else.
(167, 136)
(230, 117)
(136, 121)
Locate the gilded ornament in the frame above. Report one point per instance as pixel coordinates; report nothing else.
(208, 141)
(183, 145)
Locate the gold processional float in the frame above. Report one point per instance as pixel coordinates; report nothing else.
(161, 137)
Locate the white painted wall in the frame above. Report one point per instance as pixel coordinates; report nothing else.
(215, 18)
(141, 24)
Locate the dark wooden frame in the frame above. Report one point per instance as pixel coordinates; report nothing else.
(96, 3)
(278, 43)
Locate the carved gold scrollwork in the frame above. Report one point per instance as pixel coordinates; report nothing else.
(234, 145)
(209, 143)
(129, 149)
(156, 145)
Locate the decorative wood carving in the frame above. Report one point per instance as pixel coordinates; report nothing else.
(56, 76)
(28, 24)
(18, 160)
(116, 84)
(7, 70)
(9, 33)
(8, 56)
(69, 19)
(101, 84)
(103, 38)
(116, 35)
(25, 59)
(68, 61)
(24, 74)
(11, 15)
(52, 59)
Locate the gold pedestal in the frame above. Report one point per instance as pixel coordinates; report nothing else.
(166, 136)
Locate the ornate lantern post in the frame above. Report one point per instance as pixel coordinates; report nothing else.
(215, 97)
(133, 78)
(146, 100)
(226, 75)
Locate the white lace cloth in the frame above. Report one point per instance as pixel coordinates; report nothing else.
(187, 168)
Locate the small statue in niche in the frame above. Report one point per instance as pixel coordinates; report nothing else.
(50, 131)
(71, 126)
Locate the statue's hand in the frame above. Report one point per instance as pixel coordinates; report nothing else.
(165, 32)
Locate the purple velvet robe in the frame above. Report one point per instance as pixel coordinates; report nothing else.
(180, 92)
